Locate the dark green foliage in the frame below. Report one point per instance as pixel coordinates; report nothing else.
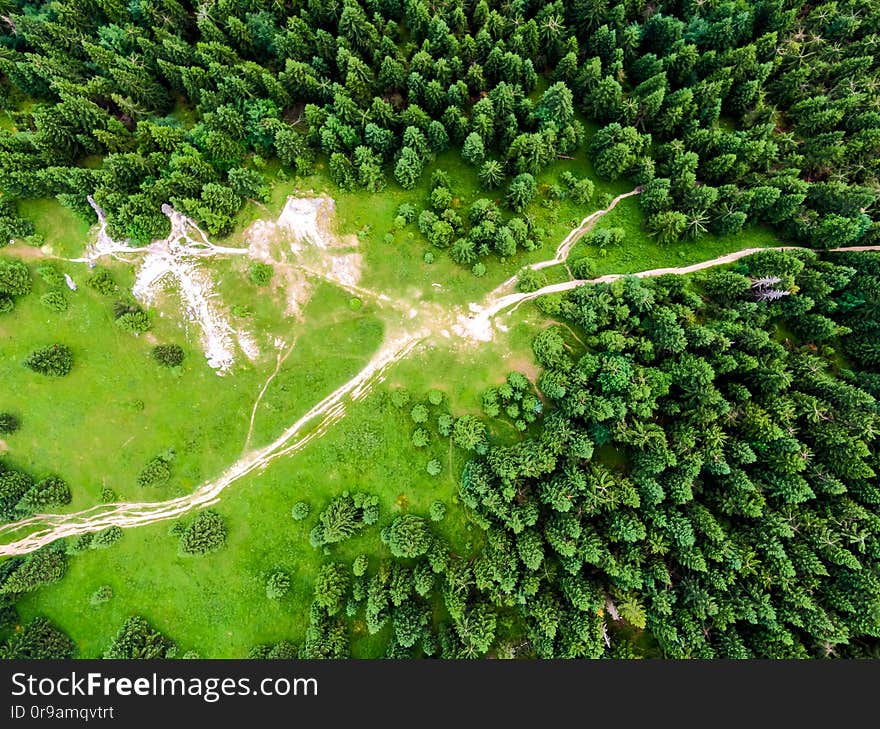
(204, 534)
(102, 281)
(15, 279)
(9, 423)
(137, 639)
(54, 360)
(106, 537)
(157, 472)
(39, 568)
(168, 355)
(39, 640)
(51, 491)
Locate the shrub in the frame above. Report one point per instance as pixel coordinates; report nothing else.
(56, 360)
(40, 640)
(9, 423)
(420, 438)
(51, 491)
(102, 281)
(479, 269)
(6, 304)
(15, 279)
(157, 472)
(408, 536)
(80, 544)
(40, 568)
(344, 517)
(360, 565)
(168, 355)
(205, 533)
(101, 595)
(107, 537)
(135, 322)
(300, 510)
(437, 511)
(434, 467)
(54, 301)
(260, 273)
(419, 414)
(50, 275)
(277, 585)
(108, 495)
(137, 639)
(435, 397)
(400, 397)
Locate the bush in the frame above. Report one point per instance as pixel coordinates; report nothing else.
(54, 301)
(108, 495)
(435, 397)
(300, 510)
(434, 467)
(51, 491)
(168, 355)
(137, 639)
(206, 533)
(101, 595)
(56, 360)
(102, 281)
(40, 568)
(9, 423)
(40, 640)
(400, 397)
(344, 517)
(359, 565)
(135, 322)
(419, 414)
(15, 279)
(437, 511)
(50, 275)
(106, 537)
(157, 472)
(420, 438)
(277, 585)
(408, 536)
(260, 274)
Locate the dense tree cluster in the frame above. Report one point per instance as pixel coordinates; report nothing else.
(725, 111)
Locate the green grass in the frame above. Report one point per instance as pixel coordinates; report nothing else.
(639, 251)
(65, 233)
(85, 427)
(216, 604)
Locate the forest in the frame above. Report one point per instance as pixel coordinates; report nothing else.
(690, 469)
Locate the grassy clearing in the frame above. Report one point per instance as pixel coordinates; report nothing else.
(640, 252)
(216, 604)
(64, 233)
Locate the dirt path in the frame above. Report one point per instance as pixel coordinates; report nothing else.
(49, 527)
(476, 325)
(564, 248)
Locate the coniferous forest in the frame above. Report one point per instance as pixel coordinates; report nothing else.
(691, 469)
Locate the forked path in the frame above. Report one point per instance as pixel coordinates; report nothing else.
(39, 530)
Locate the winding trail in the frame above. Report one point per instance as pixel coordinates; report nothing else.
(39, 530)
